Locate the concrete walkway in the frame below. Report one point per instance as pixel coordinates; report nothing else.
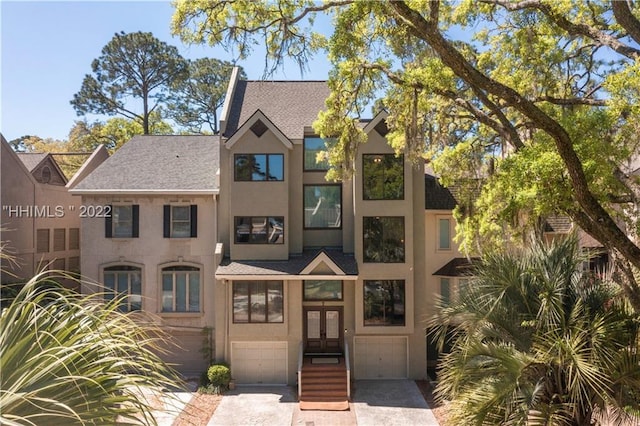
(374, 402)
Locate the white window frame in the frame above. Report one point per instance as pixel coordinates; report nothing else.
(174, 221)
(106, 269)
(188, 272)
(115, 220)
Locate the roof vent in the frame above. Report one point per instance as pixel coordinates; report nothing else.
(259, 128)
(382, 128)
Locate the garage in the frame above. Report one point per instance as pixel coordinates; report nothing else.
(185, 352)
(380, 357)
(259, 362)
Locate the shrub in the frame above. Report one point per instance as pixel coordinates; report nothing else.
(217, 379)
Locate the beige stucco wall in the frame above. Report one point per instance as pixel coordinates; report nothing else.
(28, 205)
(151, 252)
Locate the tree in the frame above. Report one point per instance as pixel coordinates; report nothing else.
(545, 90)
(198, 98)
(113, 133)
(539, 340)
(75, 359)
(134, 67)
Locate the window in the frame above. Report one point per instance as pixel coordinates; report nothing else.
(124, 280)
(259, 167)
(180, 221)
(42, 241)
(258, 301)
(181, 289)
(322, 290)
(312, 147)
(445, 290)
(59, 239)
(444, 234)
(259, 230)
(123, 222)
(73, 264)
(384, 303)
(383, 177)
(383, 239)
(46, 174)
(322, 206)
(74, 238)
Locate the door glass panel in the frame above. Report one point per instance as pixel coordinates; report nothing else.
(313, 324)
(332, 319)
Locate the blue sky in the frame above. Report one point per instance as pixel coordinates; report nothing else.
(47, 48)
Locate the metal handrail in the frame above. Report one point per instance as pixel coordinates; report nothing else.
(347, 364)
(300, 361)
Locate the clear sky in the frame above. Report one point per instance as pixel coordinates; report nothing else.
(47, 48)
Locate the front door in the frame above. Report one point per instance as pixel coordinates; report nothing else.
(323, 329)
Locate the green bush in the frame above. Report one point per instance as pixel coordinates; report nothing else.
(219, 375)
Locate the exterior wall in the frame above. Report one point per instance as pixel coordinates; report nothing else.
(27, 206)
(263, 198)
(411, 270)
(151, 252)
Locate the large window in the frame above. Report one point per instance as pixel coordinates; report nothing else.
(383, 177)
(322, 206)
(383, 239)
(59, 239)
(122, 222)
(258, 301)
(181, 289)
(384, 303)
(124, 280)
(180, 221)
(42, 241)
(259, 167)
(259, 230)
(314, 145)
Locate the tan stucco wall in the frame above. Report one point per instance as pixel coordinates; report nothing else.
(27, 206)
(151, 251)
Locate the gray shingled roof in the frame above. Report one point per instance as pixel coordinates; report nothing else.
(31, 159)
(436, 196)
(293, 266)
(158, 162)
(457, 267)
(559, 224)
(290, 105)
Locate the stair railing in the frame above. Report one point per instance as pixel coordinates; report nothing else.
(347, 364)
(300, 361)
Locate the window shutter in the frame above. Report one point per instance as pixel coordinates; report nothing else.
(194, 221)
(108, 228)
(166, 221)
(135, 221)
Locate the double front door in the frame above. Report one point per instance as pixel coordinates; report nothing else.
(323, 329)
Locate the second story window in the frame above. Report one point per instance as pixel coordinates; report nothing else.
(322, 206)
(382, 177)
(180, 221)
(259, 167)
(383, 239)
(123, 222)
(259, 230)
(313, 145)
(444, 234)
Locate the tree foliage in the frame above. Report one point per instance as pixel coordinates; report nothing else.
(133, 68)
(539, 97)
(538, 340)
(75, 359)
(197, 99)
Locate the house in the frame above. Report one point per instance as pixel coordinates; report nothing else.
(153, 236)
(296, 279)
(40, 218)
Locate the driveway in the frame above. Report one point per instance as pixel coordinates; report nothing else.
(374, 402)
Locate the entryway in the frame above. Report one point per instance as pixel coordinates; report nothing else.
(323, 330)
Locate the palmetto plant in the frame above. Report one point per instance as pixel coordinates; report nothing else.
(75, 359)
(538, 340)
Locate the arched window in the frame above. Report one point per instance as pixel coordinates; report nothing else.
(46, 174)
(181, 289)
(124, 280)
